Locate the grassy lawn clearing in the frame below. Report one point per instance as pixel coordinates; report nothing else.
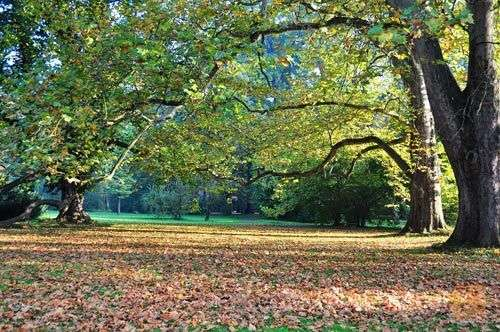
(142, 218)
(189, 219)
(215, 277)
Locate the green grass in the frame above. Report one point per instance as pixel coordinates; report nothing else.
(136, 218)
(221, 220)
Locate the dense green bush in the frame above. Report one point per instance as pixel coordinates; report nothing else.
(175, 198)
(331, 199)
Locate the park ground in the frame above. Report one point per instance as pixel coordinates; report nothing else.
(131, 274)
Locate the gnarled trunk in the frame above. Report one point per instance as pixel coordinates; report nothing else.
(71, 207)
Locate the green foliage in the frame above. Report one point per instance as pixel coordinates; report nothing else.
(122, 185)
(175, 198)
(335, 199)
(449, 191)
(183, 77)
(103, 75)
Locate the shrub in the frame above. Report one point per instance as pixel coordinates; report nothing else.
(175, 198)
(330, 199)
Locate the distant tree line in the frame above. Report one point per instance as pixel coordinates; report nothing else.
(366, 195)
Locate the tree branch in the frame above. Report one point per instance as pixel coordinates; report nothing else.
(303, 26)
(142, 103)
(20, 180)
(122, 158)
(29, 210)
(348, 21)
(262, 71)
(405, 167)
(358, 156)
(381, 110)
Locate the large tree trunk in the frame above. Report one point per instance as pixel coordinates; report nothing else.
(426, 214)
(478, 201)
(477, 169)
(71, 209)
(468, 123)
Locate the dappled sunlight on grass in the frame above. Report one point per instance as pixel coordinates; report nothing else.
(147, 276)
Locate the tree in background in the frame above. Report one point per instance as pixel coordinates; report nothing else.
(174, 198)
(121, 186)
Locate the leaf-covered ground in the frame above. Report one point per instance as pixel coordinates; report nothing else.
(178, 277)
